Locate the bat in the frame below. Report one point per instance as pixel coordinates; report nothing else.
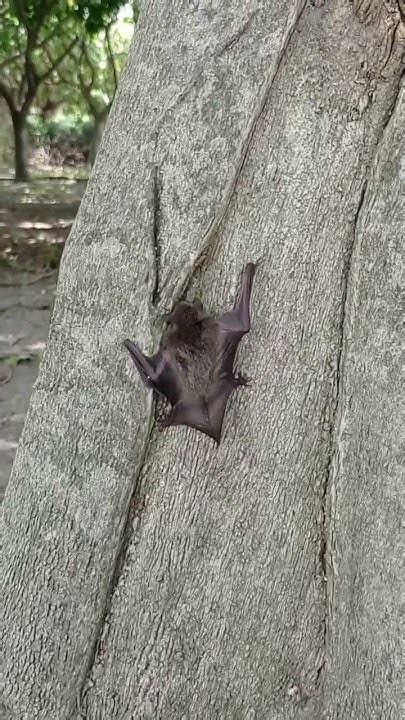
(194, 367)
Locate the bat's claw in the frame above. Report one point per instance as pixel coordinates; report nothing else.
(242, 381)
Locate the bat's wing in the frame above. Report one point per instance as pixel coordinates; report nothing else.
(234, 324)
(146, 366)
(203, 414)
(231, 328)
(216, 403)
(157, 372)
(193, 412)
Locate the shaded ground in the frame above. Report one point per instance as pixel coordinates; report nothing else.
(34, 223)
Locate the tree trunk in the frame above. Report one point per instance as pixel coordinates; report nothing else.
(99, 125)
(151, 575)
(19, 120)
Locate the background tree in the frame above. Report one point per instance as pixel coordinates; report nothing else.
(91, 77)
(36, 38)
(149, 574)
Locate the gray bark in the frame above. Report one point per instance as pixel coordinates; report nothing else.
(99, 124)
(150, 575)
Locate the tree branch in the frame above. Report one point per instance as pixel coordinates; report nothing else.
(112, 59)
(86, 92)
(62, 80)
(58, 60)
(46, 39)
(20, 90)
(29, 74)
(6, 94)
(10, 60)
(89, 62)
(21, 14)
(86, 88)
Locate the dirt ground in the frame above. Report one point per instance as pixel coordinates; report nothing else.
(34, 223)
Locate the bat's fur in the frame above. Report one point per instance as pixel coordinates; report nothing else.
(193, 369)
(194, 345)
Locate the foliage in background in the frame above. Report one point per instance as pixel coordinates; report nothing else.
(86, 82)
(96, 14)
(75, 126)
(49, 53)
(62, 139)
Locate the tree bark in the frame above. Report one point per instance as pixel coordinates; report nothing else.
(19, 120)
(99, 125)
(150, 575)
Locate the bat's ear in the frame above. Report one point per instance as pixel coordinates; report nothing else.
(198, 304)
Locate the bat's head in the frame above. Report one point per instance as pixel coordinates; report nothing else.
(186, 314)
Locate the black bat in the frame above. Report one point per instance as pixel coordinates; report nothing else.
(193, 369)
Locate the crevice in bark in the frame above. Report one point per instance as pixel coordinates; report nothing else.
(215, 224)
(336, 422)
(134, 507)
(325, 549)
(237, 35)
(156, 200)
(135, 503)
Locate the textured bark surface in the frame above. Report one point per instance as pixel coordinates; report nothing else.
(366, 494)
(151, 575)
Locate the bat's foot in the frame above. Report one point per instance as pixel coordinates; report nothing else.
(242, 381)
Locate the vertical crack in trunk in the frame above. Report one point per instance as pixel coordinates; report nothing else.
(156, 211)
(135, 502)
(134, 507)
(327, 539)
(236, 36)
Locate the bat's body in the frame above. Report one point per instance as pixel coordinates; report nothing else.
(193, 369)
